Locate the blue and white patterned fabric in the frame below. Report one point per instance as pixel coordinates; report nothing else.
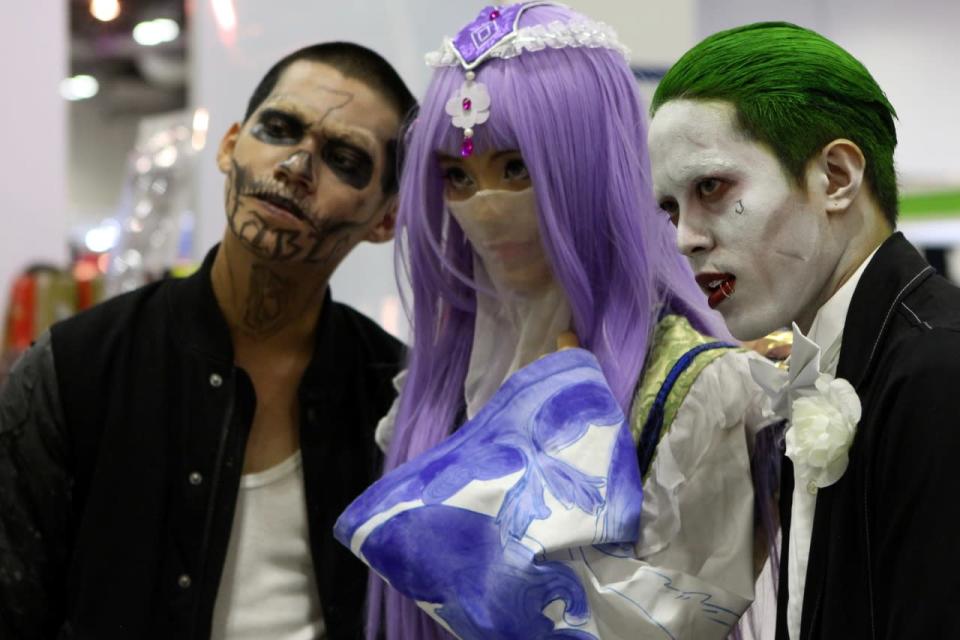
(521, 524)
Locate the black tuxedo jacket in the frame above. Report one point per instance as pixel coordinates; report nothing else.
(885, 551)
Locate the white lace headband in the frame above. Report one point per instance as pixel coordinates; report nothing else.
(496, 33)
(556, 35)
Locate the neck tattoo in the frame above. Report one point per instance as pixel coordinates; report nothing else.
(268, 301)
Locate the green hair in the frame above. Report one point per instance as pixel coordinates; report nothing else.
(794, 91)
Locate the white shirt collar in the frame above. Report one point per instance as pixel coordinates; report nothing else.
(827, 333)
(827, 328)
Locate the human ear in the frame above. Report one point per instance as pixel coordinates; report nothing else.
(843, 164)
(383, 230)
(227, 145)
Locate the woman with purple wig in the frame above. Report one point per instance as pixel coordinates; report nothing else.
(531, 491)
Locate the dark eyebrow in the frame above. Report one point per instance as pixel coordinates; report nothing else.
(350, 138)
(346, 141)
(500, 154)
(279, 105)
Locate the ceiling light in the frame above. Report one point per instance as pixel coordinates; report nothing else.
(225, 13)
(201, 123)
(166, 157)
(79, 87)
(154, 32)
(102, 237)
(105, 10)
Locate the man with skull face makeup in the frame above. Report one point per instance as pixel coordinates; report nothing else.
(171, 462)
(772, 151)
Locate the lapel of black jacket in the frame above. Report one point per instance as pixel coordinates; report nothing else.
(896, 270)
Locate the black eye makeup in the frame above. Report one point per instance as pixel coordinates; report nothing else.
(278, 127)
(351, 164)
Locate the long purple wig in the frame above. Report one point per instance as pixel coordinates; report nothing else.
(574, 114)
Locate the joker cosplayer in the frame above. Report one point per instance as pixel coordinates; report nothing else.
(772, 151)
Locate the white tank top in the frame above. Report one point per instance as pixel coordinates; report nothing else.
(268, 588)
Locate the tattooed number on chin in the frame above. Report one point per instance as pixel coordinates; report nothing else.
(288, 244)
(322, 244)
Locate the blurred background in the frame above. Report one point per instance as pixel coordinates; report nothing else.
(114, 109)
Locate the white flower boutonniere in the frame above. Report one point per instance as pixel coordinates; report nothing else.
(823, 425)
(823, 412)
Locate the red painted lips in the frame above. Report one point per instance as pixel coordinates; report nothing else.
(717, 286)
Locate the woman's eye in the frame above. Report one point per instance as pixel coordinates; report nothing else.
(457, 178)
(515, 169)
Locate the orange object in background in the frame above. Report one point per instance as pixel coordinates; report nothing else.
(23, 302)
(41, 296)
(85, 295)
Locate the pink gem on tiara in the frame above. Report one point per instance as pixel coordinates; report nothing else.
(494, 15)
(467, 104)
(466, 149)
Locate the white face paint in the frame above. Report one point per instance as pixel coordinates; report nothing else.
(503, 229)
(760, 246)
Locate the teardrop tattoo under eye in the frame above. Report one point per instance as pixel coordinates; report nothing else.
(278, 127)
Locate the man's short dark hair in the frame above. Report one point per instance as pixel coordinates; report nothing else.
(353, 61)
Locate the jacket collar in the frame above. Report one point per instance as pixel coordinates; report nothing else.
(194, 312)
(202, 328)
(895, 271)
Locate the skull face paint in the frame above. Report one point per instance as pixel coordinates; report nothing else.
(303, 171)
(760, 245)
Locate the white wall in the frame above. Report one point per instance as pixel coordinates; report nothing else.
(657, 33)
(99, 144)
(225, 67)
(33, 58)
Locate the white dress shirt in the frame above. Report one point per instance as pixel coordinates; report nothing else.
(827, 333)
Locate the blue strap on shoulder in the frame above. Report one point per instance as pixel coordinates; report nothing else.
(652, 428)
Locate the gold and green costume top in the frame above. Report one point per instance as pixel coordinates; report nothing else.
(679, 353)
